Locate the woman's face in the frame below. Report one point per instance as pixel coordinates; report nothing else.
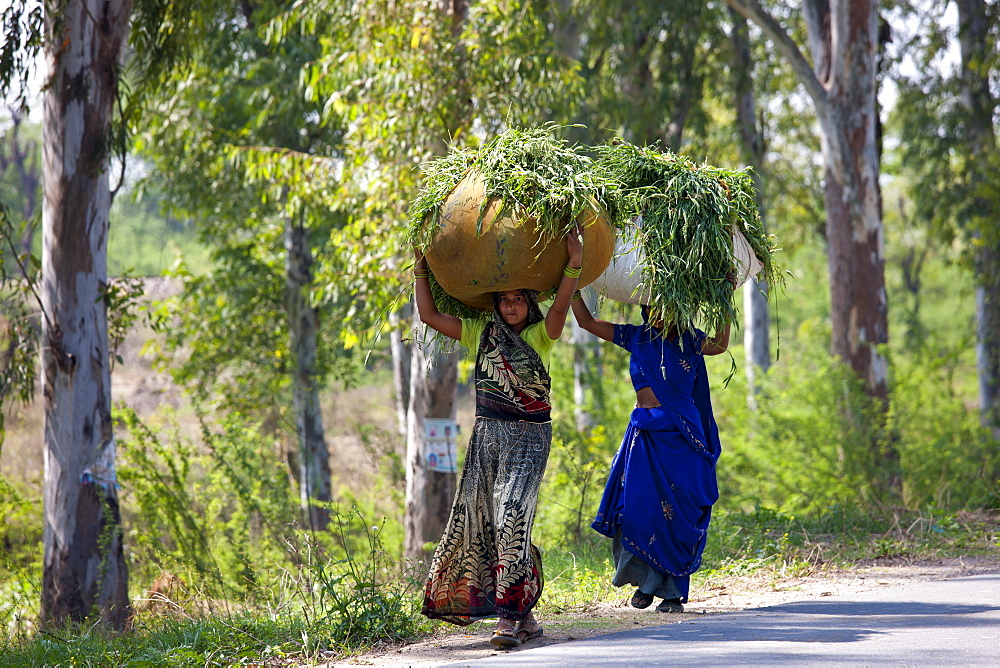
(514, 309)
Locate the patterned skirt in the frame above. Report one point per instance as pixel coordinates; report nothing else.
(485, 565)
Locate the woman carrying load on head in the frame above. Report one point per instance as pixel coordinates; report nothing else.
(485, 565)
(658, 500)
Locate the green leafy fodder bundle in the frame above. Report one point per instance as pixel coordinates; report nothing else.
(529, 170)
(688, 213)
(535, 179)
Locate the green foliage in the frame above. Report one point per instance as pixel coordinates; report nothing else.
(533, 175)
(411, 79)
(211, 516)
(687, 214)
(650, 72)
(361, 599)
(218, 533)
(948, 458)
(19, 325)
(945, 119)
(808, 446)
(20, 556)
(145, 241)
(21, 24)
(576, 577)
(227, 328)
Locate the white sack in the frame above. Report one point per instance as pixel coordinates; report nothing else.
(620, 281)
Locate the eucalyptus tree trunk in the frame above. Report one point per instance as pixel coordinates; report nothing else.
(973, 35)
(843, 39)
(84, 572)
(429, 494)
(401, 351)
(842, 83)
(433, 382)
(586, 370)
(756, 317)
(303, 326)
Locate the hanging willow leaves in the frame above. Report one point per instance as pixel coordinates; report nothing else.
(688, 212)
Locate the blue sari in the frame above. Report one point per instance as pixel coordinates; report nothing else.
(659, 496)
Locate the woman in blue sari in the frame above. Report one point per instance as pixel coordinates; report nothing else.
(658, 500)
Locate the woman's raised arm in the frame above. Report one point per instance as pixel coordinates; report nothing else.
(429, 314)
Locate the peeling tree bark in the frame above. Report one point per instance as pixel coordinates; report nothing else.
(84, 568)
(303, 328)
(843, 38)
(429, 494)
(842, 82)
(433, 381)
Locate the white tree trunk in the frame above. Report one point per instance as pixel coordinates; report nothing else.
(303, 328)
(84, 566)
(429, 494)
(756, 317)
(586, 370)
(974, 36)
(756, 334)
(401, 351)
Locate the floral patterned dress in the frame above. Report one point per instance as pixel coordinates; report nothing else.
(485, 565)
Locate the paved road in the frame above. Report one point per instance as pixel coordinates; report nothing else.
(945, 623)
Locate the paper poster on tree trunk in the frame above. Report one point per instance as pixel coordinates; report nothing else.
(439, 445)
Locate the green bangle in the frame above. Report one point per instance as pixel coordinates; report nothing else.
(572, 272)
(577, 295)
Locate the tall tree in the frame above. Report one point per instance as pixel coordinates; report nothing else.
(648, 69)
(84, 563)
(20, 157)
(242, 133)
(83, 42)
(756, 318)
(418, 76)
(977, 40)
(843, 37)
(946, 116)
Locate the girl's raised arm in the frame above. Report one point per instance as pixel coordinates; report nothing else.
(602, 329)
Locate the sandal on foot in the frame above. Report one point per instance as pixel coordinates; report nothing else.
(670, 605)
(505, 638)
(641, 600)
(524, 635)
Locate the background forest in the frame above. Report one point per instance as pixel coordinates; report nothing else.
(267, 387)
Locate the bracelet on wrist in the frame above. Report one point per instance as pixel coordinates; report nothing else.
(572, 272)
(577, 295)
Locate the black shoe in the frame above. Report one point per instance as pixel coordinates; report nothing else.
(641, 601)
(670, 605)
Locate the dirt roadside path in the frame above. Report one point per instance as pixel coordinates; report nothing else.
(453, 644)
